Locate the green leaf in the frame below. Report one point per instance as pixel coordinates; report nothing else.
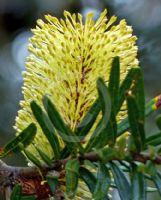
(138, 91)
(121, 182)
(150, 107)
(150, 168)
(28, 198)
(89, 119)
(21, 141)
(47, 128)
(157, 181)
(106, 106)
(114, 81)
(16, 192)
(52, 182)
(89, 165)
(65, 153)
(32, 158)
(108, 134)
(72, 175)
(64, 131)
(88, 178)
(44, 157)
(125, 86)
(123, 126)
(154, 140)
(136, 125)
(158, 121)
(138, 186)
(102, 183)
(104, 99)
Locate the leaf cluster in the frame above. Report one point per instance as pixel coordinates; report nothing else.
(114, 141)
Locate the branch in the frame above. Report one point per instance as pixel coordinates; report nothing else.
(140, 157)
(143, 158)
(58, 165)
(10, 174)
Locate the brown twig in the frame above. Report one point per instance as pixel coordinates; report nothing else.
(143, 158)
(9, 175)
(32, 172)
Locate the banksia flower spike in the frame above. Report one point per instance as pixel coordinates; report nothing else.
(66, 58)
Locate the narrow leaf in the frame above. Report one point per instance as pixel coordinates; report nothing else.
(138, 186)
(64, 131)
(64, 153)
(32, 158)
(47, 128)
(72, 174)
(154, 140)
(125, 86)
(138, 91)
(123, 126)
(108, 134)
(121, 182)
(157, 181)
(106, 106)
(150, 107)
(88, 178)
(158, 121)
(52, 182)
(89, 119)
(16, 192)
(114, 81)
(136, 125)
(89, 164)
(21, 141)
(150, 168)
(44, 157)
(102, 183)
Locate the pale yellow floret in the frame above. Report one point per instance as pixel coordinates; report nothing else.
(66, 58)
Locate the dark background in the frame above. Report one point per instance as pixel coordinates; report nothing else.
(19, 16)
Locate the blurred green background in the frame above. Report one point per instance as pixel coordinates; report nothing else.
(19, 16)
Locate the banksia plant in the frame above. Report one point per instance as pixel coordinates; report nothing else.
(66, 59)
(81, 123)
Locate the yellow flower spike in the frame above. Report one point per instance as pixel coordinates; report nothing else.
(66, 58)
